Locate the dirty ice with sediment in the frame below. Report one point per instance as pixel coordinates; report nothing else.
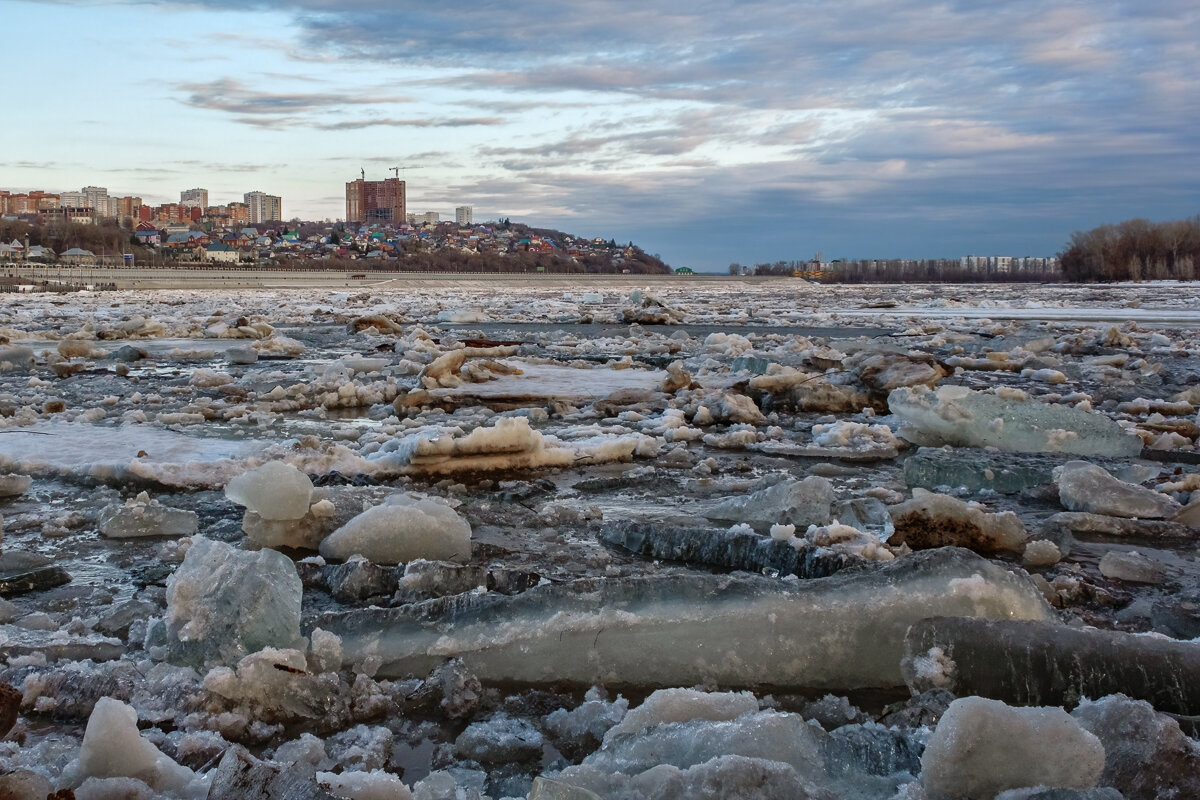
(697, 540)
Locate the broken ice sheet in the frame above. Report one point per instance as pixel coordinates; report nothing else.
(572, 385)
(842, 632)
(116, 454)
(1006, 473)
(1007, 420)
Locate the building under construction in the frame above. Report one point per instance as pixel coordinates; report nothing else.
(375, 201)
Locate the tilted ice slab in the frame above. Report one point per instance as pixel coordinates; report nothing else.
(1024, 663)
(842, 632)
(800, 503)
(1091, 489)
(79, 450)
(958, 416)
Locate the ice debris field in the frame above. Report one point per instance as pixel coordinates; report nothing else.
(765, 540)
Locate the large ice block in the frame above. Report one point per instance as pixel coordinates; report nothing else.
(224, 603)
(959, 416)
(1146, 755)
(142, 516)
(845, 631)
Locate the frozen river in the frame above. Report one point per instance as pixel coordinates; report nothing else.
(610, 539)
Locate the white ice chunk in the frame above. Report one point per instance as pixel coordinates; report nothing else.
(275, 681)
(982, 747)
(113, 748)
(1041, 553)
(404, 528)
(373, 785)
(683, 705)
(855, 435)
(507, 445)
(273, 491)
(845, 539)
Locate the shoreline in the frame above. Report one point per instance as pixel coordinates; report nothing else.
(183, 278)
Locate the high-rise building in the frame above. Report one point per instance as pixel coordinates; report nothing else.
(239, 214)
(21, 204)
(127, 207)
(194, 198)
(375, 201)
(73, 200)
(44, 200)
(97, 199)
(262, 207)
(463, 215)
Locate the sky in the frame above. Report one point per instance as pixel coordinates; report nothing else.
(706, 132)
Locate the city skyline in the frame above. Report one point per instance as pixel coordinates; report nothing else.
(707, 133)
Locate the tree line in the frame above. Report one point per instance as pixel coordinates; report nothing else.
(931, 270)
(1134, 250)
(897, 270)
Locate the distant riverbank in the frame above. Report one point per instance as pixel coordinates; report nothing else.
(221, 278)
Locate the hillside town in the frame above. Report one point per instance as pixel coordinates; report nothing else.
(378, 232)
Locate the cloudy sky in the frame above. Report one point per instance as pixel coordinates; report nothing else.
(707, 132)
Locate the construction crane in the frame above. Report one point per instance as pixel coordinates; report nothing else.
(396, 170)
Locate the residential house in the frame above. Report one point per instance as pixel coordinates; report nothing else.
(221, 252)
(77, 256)
(147, 233)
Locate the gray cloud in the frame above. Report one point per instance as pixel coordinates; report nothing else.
(229, 166)
(272, 109)
(40, 165)
(437, 122)
(886, 117)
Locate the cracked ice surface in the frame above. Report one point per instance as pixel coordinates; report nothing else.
(669, 485)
